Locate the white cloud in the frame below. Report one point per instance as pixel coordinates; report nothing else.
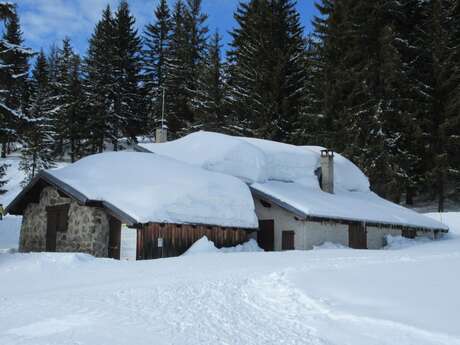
(48, 21)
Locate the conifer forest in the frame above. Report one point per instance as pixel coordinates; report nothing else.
(378, 81)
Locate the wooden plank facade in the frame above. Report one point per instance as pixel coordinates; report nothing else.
(175, 239)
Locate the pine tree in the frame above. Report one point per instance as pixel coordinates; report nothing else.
(195, 26)
(99, 83)
(443, 131)
(187, 56)
(309, 127)
(13, 79)
(37, 153)
(211, 89)
(178, 111)
(369, 65)
(69, 123)
(452, 125)
(128, 116)
(157, 40)
(268, 72)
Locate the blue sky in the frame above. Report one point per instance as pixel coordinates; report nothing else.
(48, 21)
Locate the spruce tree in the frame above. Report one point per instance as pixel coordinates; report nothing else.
(178, 110)
(369, 62)
(195, 27)
(13, 79)
(211, 89)
(99, 83)
(268, 72)
(69, 123)
(37, 153)
(128, 115)
(157, 37)
(187, 56)
(443, 130)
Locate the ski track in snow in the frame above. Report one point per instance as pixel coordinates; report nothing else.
(229, 308)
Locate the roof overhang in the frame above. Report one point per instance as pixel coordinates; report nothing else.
(318, 218)
(31, 193)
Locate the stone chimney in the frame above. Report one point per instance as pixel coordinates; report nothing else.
(327, 171)
(161, 135)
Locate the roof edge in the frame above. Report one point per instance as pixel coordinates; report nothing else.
(71, 192)
(50, 179)
(302, 214)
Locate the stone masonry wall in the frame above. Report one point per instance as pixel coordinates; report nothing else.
(88, 227)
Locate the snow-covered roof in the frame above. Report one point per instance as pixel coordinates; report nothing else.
(353, 206)
(286, 173)
(154, 188)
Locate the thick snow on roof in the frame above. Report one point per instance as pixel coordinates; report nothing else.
(360, 206)
(258, 160)
(153, 188)
(287, 173)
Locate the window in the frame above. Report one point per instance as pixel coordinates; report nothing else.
(265, 204)
(288, 240)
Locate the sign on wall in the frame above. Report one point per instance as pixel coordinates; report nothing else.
(128, 243)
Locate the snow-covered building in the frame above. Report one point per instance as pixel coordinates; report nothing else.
(304, 196)
(227, 188)
(81, 207)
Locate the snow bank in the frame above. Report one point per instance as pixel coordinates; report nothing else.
(33, 262)
(154, 188)
(205, 246)
(400, 242)
(330, 245)
(258, 160)
(451, 219)
(10, 228)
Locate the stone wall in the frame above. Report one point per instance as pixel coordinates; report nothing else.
(87, 232)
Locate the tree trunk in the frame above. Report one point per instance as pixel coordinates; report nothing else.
(409, 196)
(4, 148)
(441, 196)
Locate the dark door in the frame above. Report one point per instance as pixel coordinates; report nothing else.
(266, 235)
(114, 238)
(288, 240)
(357, 236)
(409, 233)
(52, 221)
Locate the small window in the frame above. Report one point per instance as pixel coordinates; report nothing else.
(265, 204)
(288, 240)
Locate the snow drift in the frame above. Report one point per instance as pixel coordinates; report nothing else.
(205, 246)
(257, 160)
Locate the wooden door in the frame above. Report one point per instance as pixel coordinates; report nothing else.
(114, 238)
(409, 233)
(52, 222)
(266, 235)
(357, 236)
(288, 240)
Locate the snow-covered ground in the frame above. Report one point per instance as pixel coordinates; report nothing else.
(326, 296)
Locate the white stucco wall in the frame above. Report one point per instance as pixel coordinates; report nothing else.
(309, 234)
